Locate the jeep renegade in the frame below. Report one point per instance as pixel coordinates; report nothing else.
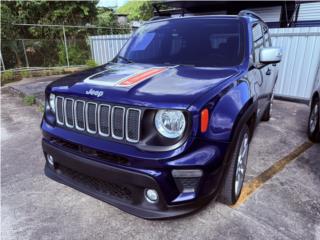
(165, 127)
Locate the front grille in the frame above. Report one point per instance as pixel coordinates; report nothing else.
(79, 115)
(105, 120)
(91, 117)
(103, 187)
(133, 133)
(68, 109)
(90, 152)
(117, 122)
(59, 110)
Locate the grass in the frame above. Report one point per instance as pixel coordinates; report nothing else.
(12, 75)
(29, 100)
(41, 108)
(7, 75)
(91, 63)
(25, 73)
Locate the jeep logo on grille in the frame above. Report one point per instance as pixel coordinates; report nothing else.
(94, 92)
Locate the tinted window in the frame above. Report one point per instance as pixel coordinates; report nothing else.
(191, 41)
(266, 34)
(257, 41)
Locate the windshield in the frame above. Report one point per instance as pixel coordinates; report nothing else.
(203, 42)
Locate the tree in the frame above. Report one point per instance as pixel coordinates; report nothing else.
(137, 10)
(44, 12)
(9, 46)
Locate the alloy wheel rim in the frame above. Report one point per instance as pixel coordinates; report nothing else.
(241, 164)
(314, 118)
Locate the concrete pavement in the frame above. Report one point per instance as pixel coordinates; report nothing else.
(35, 207)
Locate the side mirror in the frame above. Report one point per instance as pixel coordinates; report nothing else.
(270, 55)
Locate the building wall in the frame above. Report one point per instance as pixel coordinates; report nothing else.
(308, 15)
(309, 11)
(269, 14)
(105, 47)
(301, 60)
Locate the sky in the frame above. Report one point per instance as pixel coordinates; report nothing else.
(112, 3)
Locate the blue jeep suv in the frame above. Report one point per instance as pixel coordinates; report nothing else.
(165, 127)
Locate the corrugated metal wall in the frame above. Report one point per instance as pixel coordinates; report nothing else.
(309, 11)
(268, 14)
(297, 71)
(105, 47)
(301, 60)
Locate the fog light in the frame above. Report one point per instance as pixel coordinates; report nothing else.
(151, 195)
(50, 160)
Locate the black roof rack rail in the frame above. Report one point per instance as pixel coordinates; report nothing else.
(250, 14)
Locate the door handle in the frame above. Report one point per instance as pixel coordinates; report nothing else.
(268, 71)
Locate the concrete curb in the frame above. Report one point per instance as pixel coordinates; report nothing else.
(16, 92)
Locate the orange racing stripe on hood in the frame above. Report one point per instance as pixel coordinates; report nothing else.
(141, 76)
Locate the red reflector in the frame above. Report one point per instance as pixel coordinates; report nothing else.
(204, 120)
(141, 76)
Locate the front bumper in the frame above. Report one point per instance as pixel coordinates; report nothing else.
(125, 188)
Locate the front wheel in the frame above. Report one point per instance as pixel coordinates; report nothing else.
(234, 178)
(313, 123)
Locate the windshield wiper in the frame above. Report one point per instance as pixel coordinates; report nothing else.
(126, 59)
(180, 64)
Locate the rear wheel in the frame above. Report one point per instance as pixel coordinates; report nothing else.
(313, 123)
(234, 178)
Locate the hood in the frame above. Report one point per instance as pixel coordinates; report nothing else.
(144, 85)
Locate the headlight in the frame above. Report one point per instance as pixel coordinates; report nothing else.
(52, 102)
(170, 123)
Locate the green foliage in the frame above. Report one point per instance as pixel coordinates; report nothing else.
(25, 73)
(52, 12)
(106, 18)
(7, 16)
(137, 10)
(58, 71)
(7, 75)
(29, 100)
(41, 108)
(91, 63)
(43, 50)
(76, 54)
(45, 47)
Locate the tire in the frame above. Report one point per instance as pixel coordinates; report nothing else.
(313, 122)
(267, 113)
(232, 185)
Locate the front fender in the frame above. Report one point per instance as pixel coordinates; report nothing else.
(227, 112)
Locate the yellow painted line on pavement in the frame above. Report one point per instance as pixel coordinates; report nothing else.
(251, 186)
